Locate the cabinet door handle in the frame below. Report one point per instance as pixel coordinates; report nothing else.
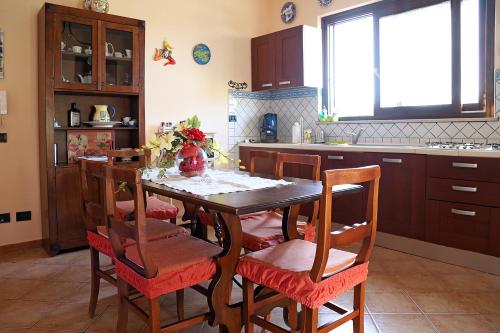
(282, 83)
(464, 189)
(334, 157)
(267, 85)
(464, 165)
(463, 212)
(392, 160)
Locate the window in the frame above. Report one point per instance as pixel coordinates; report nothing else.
(408, 59)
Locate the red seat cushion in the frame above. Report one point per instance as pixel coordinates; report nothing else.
(285, 268)
(263, 230)
(155, 208)
(182, 262)
(156, 229)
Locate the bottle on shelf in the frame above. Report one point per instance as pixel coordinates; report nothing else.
(74, 116)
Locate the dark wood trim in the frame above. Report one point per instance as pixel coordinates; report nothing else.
(452, 110)
(21, 246)
(53, 8)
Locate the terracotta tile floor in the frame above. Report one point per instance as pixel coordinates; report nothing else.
(404, 294)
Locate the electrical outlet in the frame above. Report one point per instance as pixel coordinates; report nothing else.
(3, 137)
(232, 118)
(23, 216)
(5, 218)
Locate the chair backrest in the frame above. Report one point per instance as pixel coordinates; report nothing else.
(364, 232)
(314, 161)
(259, 155)
(93, 193)
(129, 178)
(143, 156)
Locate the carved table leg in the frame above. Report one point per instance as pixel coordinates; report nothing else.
(289, 225)
(229, 318)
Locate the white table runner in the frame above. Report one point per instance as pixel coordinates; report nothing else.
(211, 182)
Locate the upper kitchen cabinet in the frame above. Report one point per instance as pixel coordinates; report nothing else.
(94, 52)
(75, 59)
(286, 59)
(120, 69)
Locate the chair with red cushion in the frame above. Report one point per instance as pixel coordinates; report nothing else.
(94, 194)
(262, 162)
(263, 230)
(315, 274)
(155, 267)
(155, 208)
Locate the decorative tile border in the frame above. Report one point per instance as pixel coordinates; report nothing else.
(276, 94)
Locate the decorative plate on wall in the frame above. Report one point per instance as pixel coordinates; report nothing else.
(325, 3)
(201, 54)
(288, 12)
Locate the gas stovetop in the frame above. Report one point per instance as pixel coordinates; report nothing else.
(464, 146)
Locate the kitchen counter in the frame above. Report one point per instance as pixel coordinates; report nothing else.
(380, 148)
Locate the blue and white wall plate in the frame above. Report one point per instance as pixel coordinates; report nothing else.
(325, 3)
(288, 12)
(201, 54)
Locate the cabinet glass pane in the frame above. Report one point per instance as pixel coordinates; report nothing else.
(76, 53)
(118, 50)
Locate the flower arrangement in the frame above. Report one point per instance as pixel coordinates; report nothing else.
(186, 146)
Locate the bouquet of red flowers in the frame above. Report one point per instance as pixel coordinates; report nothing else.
(186, 147)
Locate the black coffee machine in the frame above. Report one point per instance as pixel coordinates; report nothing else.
(269, 130)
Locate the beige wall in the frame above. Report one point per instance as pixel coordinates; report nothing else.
(172, 93)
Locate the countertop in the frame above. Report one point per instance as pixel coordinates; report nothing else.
(380, 148)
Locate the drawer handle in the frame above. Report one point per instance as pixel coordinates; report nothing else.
(392, 160)
(333, 157)
(282, 83)
(464, 189)
(267, 85)
(463, 212)
(464, 165)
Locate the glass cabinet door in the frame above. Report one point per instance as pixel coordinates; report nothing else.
(75, 53)
(120, 72)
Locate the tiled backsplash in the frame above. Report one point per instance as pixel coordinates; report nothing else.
(291, 104)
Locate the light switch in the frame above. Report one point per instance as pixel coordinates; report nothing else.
(3, 102)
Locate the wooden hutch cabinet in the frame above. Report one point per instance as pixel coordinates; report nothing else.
(86, 58)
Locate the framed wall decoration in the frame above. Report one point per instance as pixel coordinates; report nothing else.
(288, 12)
(2, 63)
(88, 143)
(201, 54)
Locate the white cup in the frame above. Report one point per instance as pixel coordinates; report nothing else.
(118, 54)
(129, 53)
(77, 49)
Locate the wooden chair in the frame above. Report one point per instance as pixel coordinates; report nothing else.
(155, 208)
(95, 210)
(154, 268)
(264, 229)
(255, 156)
(314, 274)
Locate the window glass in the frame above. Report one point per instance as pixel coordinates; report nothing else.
(470, 63)
(416, 57)
(351, 67)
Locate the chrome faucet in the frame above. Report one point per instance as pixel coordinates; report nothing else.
(355, 136)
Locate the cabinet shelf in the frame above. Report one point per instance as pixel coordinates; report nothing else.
(97, 128)
(75, 55)
(118, 59)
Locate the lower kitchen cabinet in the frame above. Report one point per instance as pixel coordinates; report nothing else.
(347, 209)
(401, 193)
(495, 232)
(458, 225)
(69, 223)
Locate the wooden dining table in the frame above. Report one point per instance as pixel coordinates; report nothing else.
(227, 208)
